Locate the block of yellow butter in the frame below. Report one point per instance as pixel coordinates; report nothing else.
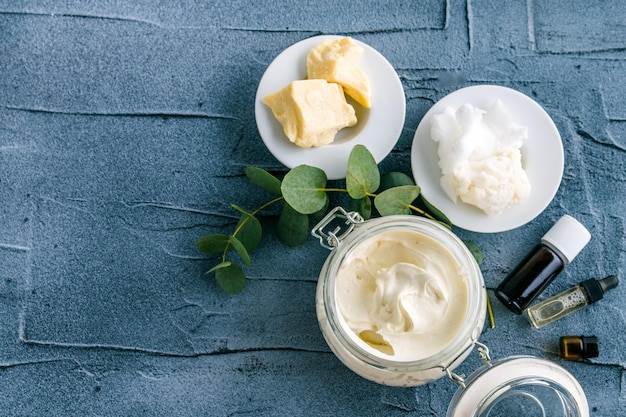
(337, 61)
(311, 111)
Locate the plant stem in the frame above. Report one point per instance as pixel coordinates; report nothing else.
(337, 190)
(427, 215)
(373, 195)
(252, 214)
(264, 206)
(422, 212)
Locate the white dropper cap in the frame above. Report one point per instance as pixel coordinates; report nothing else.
(568, 237)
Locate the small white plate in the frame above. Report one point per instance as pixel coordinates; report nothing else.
(378, 128)
(542, 158)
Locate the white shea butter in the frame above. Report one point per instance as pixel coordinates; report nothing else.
(480, 156)
(403, 295)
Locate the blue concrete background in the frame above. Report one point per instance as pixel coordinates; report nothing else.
(124, 131)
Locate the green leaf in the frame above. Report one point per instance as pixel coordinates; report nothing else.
(435, 212)
(263, 179)
(249, 230)
(218, 266)
(303, 189)
(363, 176)
(293, 227)
(231, 278)
(475, 250)
(396, 200)
(319, 215)
(363, 206)
(212, 243)
(240, 249)
(394, 179)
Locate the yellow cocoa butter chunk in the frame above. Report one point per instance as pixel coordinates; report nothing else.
(336, 61)
(311, 111)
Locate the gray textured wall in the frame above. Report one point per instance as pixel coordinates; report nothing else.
(124, 131)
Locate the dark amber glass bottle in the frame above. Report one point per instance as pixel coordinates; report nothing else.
(530, 278)
(559, 246)
(578, 347)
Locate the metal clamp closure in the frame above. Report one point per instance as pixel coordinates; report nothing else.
(483, 352)
(347, 222)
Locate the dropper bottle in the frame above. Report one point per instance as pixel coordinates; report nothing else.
(558, 247)
(570, 300)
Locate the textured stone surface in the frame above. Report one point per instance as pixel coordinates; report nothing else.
(124, 131)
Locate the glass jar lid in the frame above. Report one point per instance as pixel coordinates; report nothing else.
(519, 386)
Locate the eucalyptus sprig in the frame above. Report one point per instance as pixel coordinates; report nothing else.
(304, 194)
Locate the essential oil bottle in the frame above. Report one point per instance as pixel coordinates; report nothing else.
(570, 300)
(558, 247)
(572, 348)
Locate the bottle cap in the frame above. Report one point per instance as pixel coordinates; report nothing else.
(568, 237)
(595, 288)
(590, 347)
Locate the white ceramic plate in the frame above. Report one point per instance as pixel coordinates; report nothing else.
(377, 128)
(542, 158)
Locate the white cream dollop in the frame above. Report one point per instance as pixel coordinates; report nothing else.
(402, 291)
(480, 156)
(402, 294)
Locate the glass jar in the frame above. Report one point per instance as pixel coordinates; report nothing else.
(518, 385)
(351, 232)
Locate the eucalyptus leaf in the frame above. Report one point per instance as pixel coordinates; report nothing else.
(319, 215)
(363, 176)
(240, 249)
(231, 278)
(396, 200)
(475, 250)
(435, 212)
(303, 189)
(249, 231)
(293, 227)
(363, 206)
(224, 264)
(394, 179)
(263, 179)
(304, 192)
(212, 243)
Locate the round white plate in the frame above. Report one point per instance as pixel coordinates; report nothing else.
(542, 158)
(377, 128)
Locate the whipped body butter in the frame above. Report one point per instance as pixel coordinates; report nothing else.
(402, 293)
(400, 299)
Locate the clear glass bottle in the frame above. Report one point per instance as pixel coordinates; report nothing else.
(559, 246)
(570, 300)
